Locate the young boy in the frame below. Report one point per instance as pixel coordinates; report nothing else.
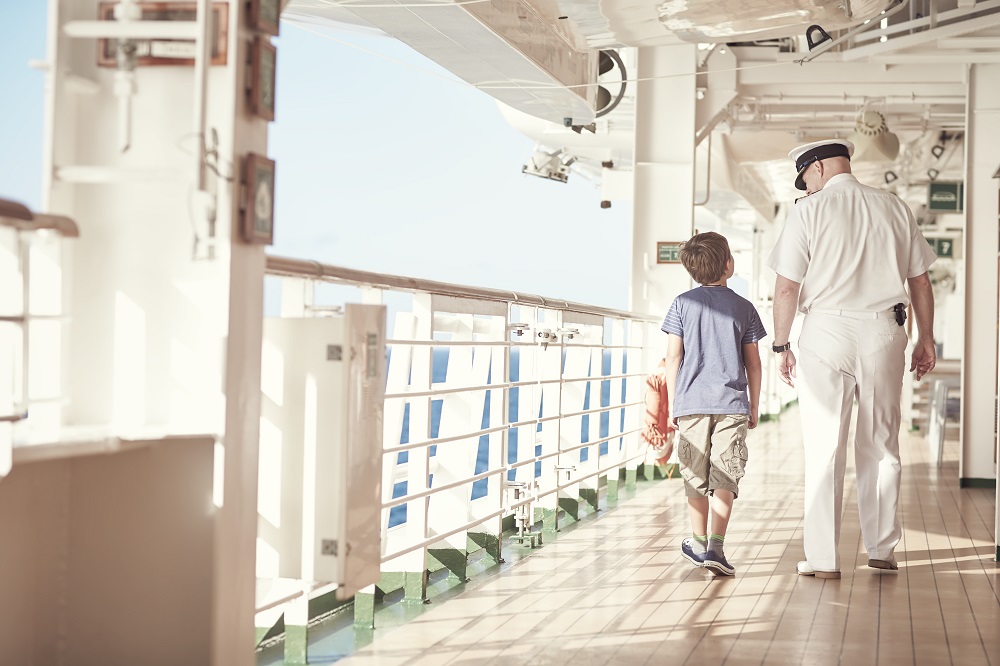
(712, 358)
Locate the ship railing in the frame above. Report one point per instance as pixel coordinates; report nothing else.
(501, 409)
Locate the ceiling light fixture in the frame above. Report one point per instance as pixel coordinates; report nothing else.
(873, 142)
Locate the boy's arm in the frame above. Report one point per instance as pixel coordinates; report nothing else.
(751, 360)
(675, 352)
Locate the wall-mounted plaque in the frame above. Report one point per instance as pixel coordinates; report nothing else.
(258, 204)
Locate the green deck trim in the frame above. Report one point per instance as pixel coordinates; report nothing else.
(549, 519)
(364, 610)
(966, 482)
(571, 507)
(589, 496)
(630, 477)
(997, 558)
(455, 560)
(267, 633)
(413, 584)
(296, 644)
(613, 486)
(491, 543)
(508, 523)
(647, 472)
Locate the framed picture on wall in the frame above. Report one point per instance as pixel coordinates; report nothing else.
(263, 63)
(167, 51)
(264, 15)
(258, 205)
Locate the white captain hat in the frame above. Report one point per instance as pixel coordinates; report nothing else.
(818, 150)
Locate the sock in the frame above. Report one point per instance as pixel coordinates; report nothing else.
(715, 543)
(699, 544)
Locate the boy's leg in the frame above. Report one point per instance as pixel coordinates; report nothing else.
(729, 456)
(698, 511)
(692, 453)
(722, 508)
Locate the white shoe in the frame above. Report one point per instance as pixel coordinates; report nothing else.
(888, 563)
(803, 569)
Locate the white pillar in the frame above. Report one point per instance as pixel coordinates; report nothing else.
(979, 371)
(664, 172)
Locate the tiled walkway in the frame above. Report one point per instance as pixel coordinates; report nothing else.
(615, 590)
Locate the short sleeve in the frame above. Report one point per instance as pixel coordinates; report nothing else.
(672, 322)
(921, 253)
(755, 331)
(790, 256)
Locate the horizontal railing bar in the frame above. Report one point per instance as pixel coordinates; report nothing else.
(517, 424)
(500, 343)
(396, 501)
(443, 440)
(13, 418)
(300, 268)
(403, 499)
(553, 454)
(508, 385)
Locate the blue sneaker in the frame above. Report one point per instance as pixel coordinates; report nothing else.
(718, 564)
(687, 550)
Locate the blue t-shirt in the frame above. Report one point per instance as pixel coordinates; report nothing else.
(715, 323)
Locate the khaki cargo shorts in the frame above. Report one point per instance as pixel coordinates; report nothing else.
(712, 451)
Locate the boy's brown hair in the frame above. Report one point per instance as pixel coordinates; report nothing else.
(705, 256)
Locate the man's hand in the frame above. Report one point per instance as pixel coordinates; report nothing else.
(924, 358)
(753, 417)
(786, 367)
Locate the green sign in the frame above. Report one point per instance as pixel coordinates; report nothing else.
(946, 197)
(668, 253)
(943, 247)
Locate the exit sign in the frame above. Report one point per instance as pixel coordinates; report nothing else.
(945, 197)
(668, 252)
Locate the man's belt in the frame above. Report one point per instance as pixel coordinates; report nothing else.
(898, 312)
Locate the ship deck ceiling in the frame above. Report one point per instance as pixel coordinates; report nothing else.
(614, 589)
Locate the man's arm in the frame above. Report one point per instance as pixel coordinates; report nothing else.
(675, 352)
(922, 298)
(786, 298)
(751, 360)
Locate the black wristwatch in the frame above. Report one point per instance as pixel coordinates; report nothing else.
(777, 349)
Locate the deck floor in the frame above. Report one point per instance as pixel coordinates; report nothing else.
(615, 590)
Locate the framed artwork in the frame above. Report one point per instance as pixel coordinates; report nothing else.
(167, 51)
(262, 77)
(264, 15)
(258, 205)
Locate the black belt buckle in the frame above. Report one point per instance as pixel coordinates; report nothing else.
(900, 311)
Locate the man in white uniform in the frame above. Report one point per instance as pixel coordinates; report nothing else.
(844, 258)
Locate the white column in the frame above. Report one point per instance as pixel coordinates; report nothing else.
(979, 373)
(664, 173)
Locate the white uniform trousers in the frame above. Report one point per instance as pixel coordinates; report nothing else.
(845, 356)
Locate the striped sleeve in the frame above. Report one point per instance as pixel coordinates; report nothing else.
(672, 322)
(755, 330)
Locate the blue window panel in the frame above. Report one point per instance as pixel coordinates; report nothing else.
(436, 406)
(397, 514)
(538, 469)
(439, 365)
(480, 487)
(584, 455)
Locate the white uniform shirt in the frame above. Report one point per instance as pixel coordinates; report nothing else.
(851, 247)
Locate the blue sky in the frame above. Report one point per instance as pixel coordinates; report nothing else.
(383, 168)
